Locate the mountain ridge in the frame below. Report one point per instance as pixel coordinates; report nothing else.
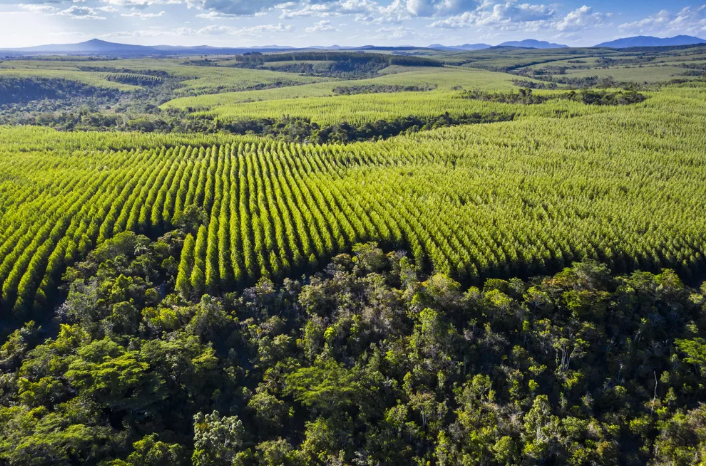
(532, 44)
(652, 41)
(101, 47)
(462, 47)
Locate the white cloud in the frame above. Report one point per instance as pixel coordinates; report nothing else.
(215, 15)
(214, 30)
(321, 26)
(689, 20)
(34, 8)
(440, 7)
(394, 33)
(234, 7)
(651, 22)
(507, 15)
(143, 15)
(265, 28)
(81, 12)
(140, 4)
(328, 9)
(581, 18)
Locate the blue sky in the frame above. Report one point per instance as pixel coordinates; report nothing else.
(344, 22)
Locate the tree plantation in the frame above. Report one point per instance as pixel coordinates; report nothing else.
(355, 259)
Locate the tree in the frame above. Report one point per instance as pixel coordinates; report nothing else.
(183, 281)
(150, 451)
(216, 439)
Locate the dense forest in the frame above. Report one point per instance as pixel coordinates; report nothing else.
(23, 90)
(367, 362)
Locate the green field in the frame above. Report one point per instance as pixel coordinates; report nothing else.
(319, 102)
(645, 74)
(195, 79)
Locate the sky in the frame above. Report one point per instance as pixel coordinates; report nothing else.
(302, 23)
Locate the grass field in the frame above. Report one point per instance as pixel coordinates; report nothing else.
(645, 74)
(92, 79)
(196, 79)
(319, 102)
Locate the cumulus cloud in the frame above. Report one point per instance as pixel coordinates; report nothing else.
(323, 9)
(581, 18)
(650, 23)
(375, 11)
(508, 14)
(81, 12)
(215, 15)
(234, 7)
(321, 26)
(688, 20)
(426, 8)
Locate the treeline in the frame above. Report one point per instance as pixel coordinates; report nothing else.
(344, 69)
(342, 64)
(134, 79)
(21, 90)
(551, 81)
(368, 362)
(109, 69)
(523, 96)
(405, 60)
(289, 129)
(586, 96)
(381, 88)
(533, 84)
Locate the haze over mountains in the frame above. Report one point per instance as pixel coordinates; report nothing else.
(100, 47)
(532, 44)
(649, 41)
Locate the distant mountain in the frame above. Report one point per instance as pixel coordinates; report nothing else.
(460, 47)
(92, 46)
(101, 47)
(649, 41)
(533, 44)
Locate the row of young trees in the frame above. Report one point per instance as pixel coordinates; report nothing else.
(471, 202)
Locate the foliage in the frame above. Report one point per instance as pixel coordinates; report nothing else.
(368, 362)
(374, 89)
(472, 201)
(14, 90)
(588, 97)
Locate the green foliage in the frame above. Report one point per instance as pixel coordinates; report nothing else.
(369, 359)
(263, 208)
(437, 356)
(216, 439)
